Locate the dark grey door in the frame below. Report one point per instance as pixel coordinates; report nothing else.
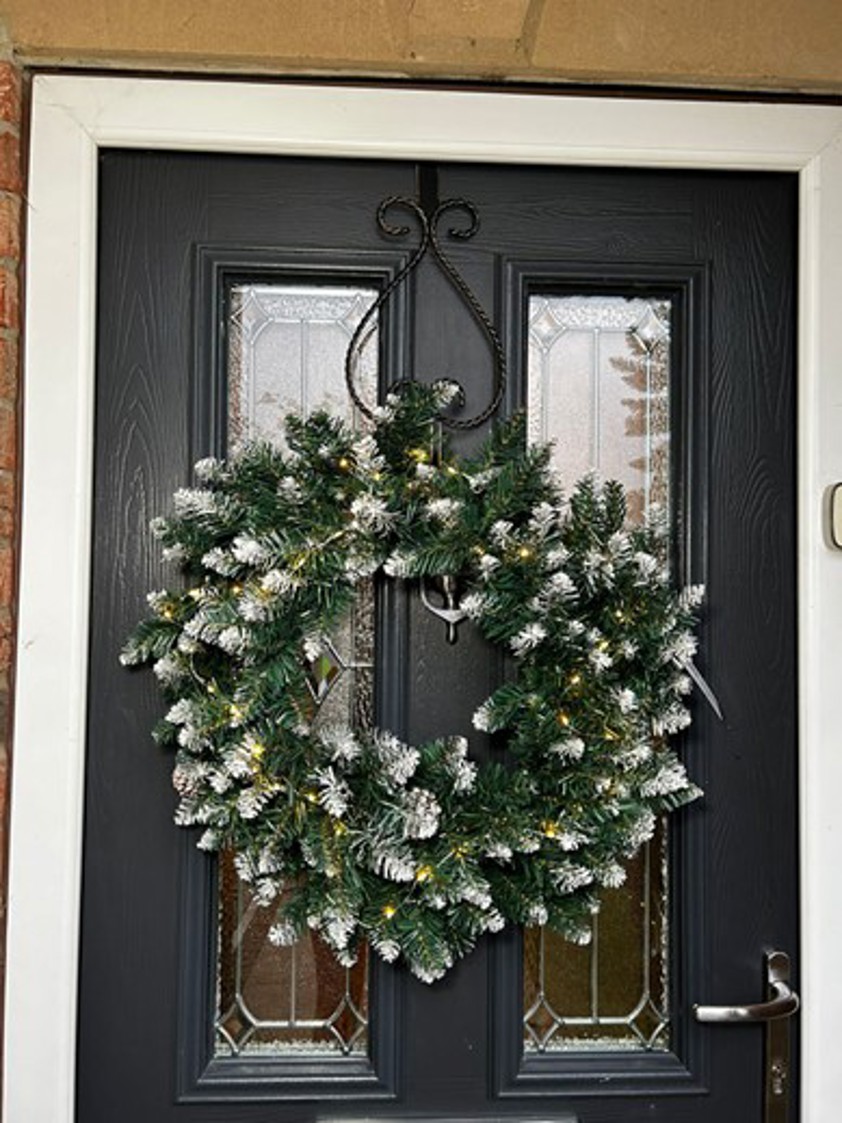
(710, 259)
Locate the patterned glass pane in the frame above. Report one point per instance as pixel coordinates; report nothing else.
(598, 387)
(287, 348)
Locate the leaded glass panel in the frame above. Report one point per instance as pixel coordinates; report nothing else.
(598, 377)
(286, 354)
(287, 347)
(598, 387)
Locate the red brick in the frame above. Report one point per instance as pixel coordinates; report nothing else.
(8, 437)
(10, 86)
(9, 368)
(8, 505)
(6, 659)
(5, 650)
(10, 162)
(7, 573)
(10, 226)
(9, 297)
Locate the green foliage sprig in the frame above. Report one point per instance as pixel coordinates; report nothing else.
(418, 849)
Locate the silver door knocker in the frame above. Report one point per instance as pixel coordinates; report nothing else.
(448, 610)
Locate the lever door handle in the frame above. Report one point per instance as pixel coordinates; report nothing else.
(783, 1004)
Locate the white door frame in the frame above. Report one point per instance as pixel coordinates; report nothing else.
(73, 117)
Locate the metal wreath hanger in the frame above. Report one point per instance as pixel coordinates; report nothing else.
(429, 220)
(428, 223)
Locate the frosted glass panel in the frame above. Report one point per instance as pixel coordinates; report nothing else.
(287, 347)
(598, 385)
(277, 1000)
(598, 379)
(613, 992)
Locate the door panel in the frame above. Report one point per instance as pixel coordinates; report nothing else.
(176, 232)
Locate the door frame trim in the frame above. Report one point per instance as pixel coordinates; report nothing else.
(72, 118)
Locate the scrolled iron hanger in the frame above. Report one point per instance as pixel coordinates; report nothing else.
(430, 239)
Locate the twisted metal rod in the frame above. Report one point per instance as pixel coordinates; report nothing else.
(430, 238)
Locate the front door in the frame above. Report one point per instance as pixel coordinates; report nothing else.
(648, 319)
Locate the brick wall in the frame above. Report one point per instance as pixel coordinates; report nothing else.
(11, 195)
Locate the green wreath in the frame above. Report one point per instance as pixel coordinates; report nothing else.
(418, 849)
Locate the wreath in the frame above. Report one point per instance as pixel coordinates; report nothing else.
(418, 849)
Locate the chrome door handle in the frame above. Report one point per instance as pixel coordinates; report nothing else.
(783, 1003)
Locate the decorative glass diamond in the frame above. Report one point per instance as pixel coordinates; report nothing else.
(324, 670)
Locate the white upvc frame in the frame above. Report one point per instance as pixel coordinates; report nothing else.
(75, 116)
